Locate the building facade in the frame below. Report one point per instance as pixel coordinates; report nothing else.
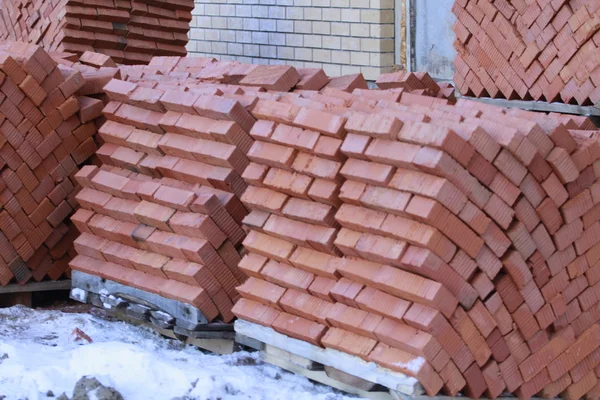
(340, 36)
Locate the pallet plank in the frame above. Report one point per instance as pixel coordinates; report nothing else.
(350, 380)
(539, 106)
(249, 342)
(321, 377)
(98, 285)
(218, 340)
(344, 362)
(36, 287)
(299, 361)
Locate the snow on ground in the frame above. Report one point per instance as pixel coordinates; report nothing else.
(38, 353)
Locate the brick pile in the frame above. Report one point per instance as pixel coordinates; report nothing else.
(540, 50)
(46, 130)
(448, 240)
(163, 211)
(129, 31)
(458, 244)
(96, 70)
(238, 77)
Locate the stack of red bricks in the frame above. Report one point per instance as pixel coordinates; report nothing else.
(45, 133)
(130, 31)
(246, 82)
(540, 50)
(458, 244)
(448, 240)
(163, 212)
(96, 70)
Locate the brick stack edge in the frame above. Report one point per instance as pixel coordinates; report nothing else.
(540, 50)
(129, 31)
(48, 119)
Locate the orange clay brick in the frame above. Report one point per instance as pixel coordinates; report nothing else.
(429, 186)
(577, 206)
(563, 165)
(264, 199)
(413, 341)
(581, 387)
(403, 284)
(306, 306)
(252, 264)
(385, 127)
(273, 155)
(548, 353)
(326, 123)
(287, 276)
(299, 328)
(494, 380)
(262, 292)
(256, 312)
(555, 190)
(348, 342)
(268, 246)
(398, 360)
(453, 379)
(550, 216)
(398, 154)
(471, 336)
(321, 287)
(345, 291)
(367, 172)
(154, 215)
(376, 301)
(320, 264)
(317, 167)
(582, 347)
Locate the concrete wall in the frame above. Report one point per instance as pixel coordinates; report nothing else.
(433, 37)
(340, 36)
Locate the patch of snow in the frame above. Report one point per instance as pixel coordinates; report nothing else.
(137, 362)
(163, 314)
(414, 365)
(93, 395)
(79, 295)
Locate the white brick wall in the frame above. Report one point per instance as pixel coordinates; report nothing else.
(340, 36)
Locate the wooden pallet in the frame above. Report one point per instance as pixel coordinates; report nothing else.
(14, 294)
(168, 317)
(592, 111)
(330, 367)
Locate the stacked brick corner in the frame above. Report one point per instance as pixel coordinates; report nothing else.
(47, 130)
(538, 50)
(446, 242)
(129, 31)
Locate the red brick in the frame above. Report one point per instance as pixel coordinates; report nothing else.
(300, 328)
(582, 347)
(403, 362)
